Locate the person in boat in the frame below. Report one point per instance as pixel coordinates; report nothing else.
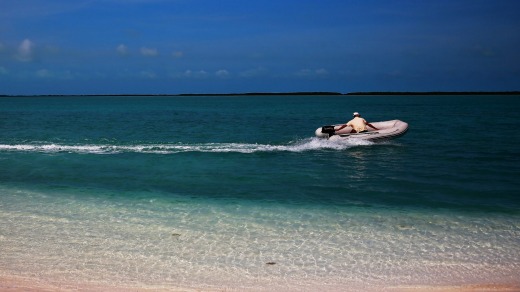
(358, 124)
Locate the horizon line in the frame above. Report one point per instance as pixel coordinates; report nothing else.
(513, 92)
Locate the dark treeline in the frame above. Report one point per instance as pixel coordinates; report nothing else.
(436, 93)
(302, 93)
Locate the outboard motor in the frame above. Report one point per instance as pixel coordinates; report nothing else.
(328, 130)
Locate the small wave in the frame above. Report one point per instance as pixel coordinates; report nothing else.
(308, 144)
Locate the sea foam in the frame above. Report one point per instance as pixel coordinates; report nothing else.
(302, 145)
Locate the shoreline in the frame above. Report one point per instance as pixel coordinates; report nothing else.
(19, 284)
(309, 93)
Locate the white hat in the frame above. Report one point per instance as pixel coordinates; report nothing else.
(356, 114)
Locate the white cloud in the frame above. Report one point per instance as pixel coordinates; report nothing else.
(312, 73)
(253, 72)
(63, 75)
(177, 54)
(201, 74)
(322, 72)
(196, 74)
(148, 74)
(44, 73)
(122, 49)
(304, 72)
(149, 52)
(25, 51)
(19, 10)
(222, 73)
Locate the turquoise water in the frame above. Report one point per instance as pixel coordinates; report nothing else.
(202, 192)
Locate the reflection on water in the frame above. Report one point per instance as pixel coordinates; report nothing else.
(358, 160)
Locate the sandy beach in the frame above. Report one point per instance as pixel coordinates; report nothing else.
(19, 284)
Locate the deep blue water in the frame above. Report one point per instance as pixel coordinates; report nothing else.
(460, 153)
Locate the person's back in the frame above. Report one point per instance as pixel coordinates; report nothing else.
(358, 124)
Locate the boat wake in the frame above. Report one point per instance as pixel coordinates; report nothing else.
(308, 144)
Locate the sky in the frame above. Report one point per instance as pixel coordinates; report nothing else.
(238, 46)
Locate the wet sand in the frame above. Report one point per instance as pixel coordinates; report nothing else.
(19, 284)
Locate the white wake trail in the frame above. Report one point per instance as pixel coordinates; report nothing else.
(308, 144)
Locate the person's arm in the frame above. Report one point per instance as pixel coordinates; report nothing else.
(370, 125)
(341, 127)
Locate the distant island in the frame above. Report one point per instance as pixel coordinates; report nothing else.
(437, 93)
(363, 93)
(302, 93)
(261, 93)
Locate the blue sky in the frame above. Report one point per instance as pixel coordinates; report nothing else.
(225, 46)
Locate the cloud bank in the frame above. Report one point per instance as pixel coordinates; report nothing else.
(149, 52)
(122, 49)
(25, 51)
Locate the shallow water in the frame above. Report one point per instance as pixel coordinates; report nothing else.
(205, 191)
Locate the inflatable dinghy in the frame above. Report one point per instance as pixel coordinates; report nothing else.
(386, 130)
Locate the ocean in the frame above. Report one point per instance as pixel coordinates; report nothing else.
(235, 192)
